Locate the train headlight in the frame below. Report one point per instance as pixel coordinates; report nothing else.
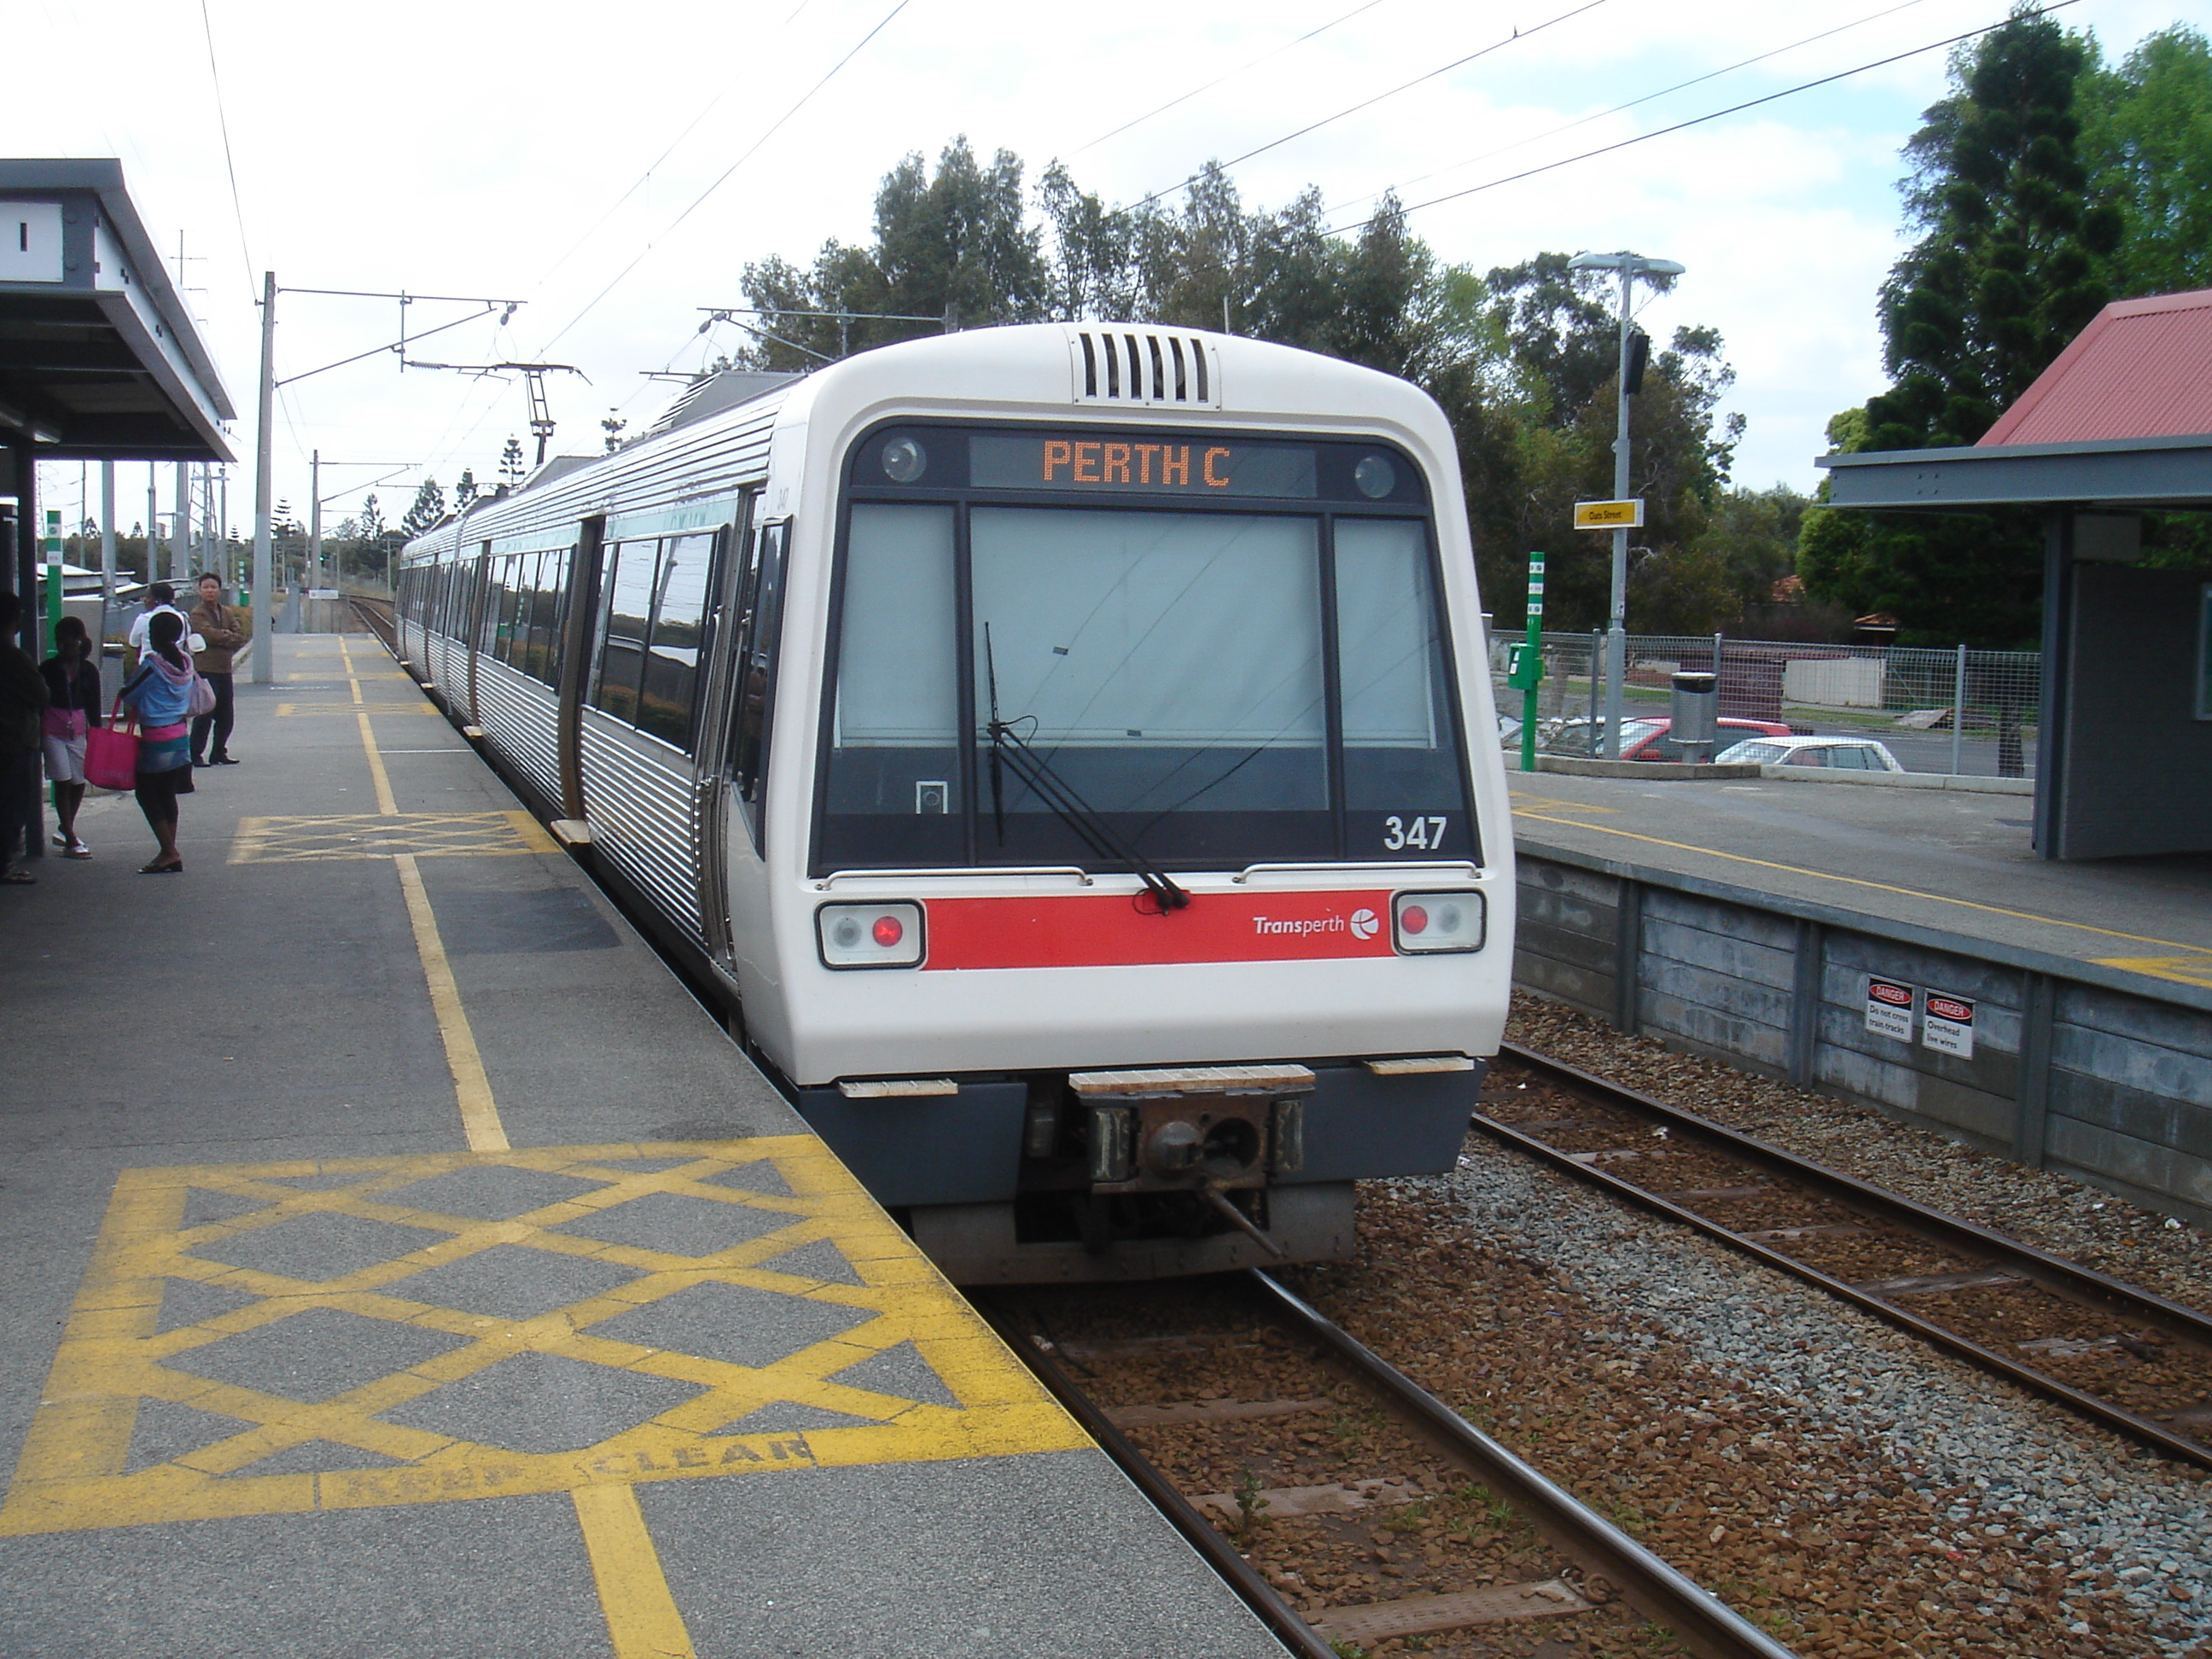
(1431, 924)
(869, 935)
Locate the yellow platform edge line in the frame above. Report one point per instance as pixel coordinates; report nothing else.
(643, 1621)
(471, 1088)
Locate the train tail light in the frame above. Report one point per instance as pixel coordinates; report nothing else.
(1432, 924)
(869, 935)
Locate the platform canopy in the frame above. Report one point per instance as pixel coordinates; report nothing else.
(2120, 421)
(2120, 424)
(99, 359)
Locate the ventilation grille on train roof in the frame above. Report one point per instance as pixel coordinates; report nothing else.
(1144, 365)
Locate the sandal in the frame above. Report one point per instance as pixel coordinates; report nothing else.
(18, 878)
(78, 850)
(157, 868)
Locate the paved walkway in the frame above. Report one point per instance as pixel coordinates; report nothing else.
(396, 1259)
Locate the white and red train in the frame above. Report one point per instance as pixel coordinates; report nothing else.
(1064, 747)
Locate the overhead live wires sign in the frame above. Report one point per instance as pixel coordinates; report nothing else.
(1609, 515)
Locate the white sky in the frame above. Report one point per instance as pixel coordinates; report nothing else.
(534, 152)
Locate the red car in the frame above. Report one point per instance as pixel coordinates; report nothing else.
(1647, 739)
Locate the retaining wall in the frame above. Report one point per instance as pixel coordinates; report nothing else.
(2074, 1067)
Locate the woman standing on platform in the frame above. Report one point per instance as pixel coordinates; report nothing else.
(72, 708)
(161, 692)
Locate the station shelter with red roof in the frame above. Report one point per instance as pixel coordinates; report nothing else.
(2118, 425)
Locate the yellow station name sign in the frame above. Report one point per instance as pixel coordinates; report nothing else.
(1609, 515)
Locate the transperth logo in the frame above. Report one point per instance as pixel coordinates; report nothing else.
(1362, 924)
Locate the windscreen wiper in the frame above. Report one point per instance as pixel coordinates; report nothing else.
(1011, 752)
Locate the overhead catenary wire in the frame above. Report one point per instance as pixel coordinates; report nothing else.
(1634, 103)
(222, 122)
(1700, 120)
(1231, 74)
(1518, 34)
(750, 151)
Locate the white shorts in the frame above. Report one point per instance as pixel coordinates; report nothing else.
(64, 758)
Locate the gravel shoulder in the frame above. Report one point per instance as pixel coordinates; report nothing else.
(1857, 1493)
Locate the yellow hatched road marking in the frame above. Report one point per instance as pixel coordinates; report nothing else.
(471, 1088)
(860, 1293)
(299, 839)
(1878, 887)
(642, 1619)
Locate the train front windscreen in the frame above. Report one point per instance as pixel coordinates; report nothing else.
(1077, 647)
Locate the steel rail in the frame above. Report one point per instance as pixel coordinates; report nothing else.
(1241, 1576)
(2062, 1278)
(1704, 1624)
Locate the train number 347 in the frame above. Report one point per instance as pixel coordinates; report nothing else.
(1398, 833)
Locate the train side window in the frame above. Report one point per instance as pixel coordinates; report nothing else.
(632, 568)
(761, 610)
(893, 766)
(522, 650)
(671, 659)
(548, 594)
(1401, 744)
(499, 608)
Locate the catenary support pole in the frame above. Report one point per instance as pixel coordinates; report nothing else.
(265, 594)
(180, 537)
(106, 543)
(315, 520)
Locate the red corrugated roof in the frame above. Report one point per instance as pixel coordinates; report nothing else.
(2142, 369)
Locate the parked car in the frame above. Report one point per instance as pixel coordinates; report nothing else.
(1645, 738)
(1838, 754)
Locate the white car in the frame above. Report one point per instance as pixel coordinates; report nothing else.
(1838, 754)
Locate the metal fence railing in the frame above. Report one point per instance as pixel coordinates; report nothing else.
(1958, 711)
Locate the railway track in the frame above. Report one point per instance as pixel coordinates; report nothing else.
(1341, 1475)
(2109, 1351)
(376, 617)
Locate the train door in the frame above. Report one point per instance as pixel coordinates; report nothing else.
(713, 805)
(472, 633)
(576, 663)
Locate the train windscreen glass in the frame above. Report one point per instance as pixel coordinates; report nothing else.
(1255, 674)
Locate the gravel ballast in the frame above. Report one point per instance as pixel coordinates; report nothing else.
(1855, 1491)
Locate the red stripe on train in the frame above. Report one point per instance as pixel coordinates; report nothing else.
(1109, 931)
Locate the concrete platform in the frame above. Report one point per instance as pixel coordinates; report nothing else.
(396, 1259)
(1956, 861)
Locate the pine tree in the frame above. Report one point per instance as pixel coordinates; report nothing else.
(2014, 260)
(429, 509)
(511, 468)
(465, 488)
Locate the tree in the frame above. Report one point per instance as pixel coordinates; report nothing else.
(613, 425)
(953, 243)
(2013, 261)
(510, 468)
(464, 489)
(428, 510)
(372, 521)
(2147, 143)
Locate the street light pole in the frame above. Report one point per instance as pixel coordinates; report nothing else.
(1630, 266)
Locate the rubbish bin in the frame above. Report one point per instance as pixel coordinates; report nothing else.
(1696, 708)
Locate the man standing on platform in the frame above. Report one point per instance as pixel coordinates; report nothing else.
(159, 597)
(223, 630)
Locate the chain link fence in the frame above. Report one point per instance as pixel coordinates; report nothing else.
(1957, 711)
